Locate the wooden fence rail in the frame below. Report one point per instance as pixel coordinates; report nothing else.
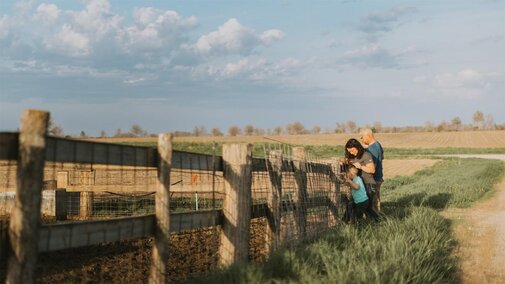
(67, 235)
(32, 148)
(88, 152)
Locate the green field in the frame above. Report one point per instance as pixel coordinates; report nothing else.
(325, 151)
(412, 244)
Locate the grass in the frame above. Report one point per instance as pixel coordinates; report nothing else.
(451, 183)
(405, 249)
(325, 151)
(411, 245)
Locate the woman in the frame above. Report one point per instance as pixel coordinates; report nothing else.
(357, 156)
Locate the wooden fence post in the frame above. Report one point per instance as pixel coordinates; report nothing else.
(25, 217)
(234, 246)
(86, 204)
(334, 196)
(274, 200)
(159, 260)
(301, 197)
(61, 204)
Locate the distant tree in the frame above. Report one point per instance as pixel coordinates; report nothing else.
(83, 134)
(216, 132)
(429, 126)
(199, 131)
(56, 131)
(234, 130)
(277, 130)
(248, 130)
(316, 129)
(259, 131)
(489, 123)
(103, 134)
(442, 126)
(53, 129)
(350, 126)
(456, 124)
(377, 126)
(478, 119)
(118, 133)
(137, 131)
(295, 128)
(339, 127)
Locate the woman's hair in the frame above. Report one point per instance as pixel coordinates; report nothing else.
(353, 143)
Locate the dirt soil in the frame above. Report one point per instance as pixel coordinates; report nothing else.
(394, 168)
(480, 232)
(192, 253)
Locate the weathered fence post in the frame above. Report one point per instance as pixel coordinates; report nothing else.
(159, 260)
(86, 204)
(234, 246)
(25, 217)
(301, 197)
(61, 195)
(334, 201)
(274, 200)
(61, 204)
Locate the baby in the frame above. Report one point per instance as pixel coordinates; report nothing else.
(359, 195)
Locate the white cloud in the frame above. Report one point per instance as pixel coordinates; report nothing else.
(157, 29)
(4, 27)
(382, 22)
(69, 42)
(372, 55)
(466, 78)
(47, 13)
(153, 46)
(269, 36)
(256, 70)
(96, 19)
(233, 37)
(467, 83)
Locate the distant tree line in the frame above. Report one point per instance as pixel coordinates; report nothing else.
(480, 121)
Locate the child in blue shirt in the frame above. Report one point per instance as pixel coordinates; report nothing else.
(361, 202)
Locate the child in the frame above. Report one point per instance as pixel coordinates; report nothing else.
(361, 202)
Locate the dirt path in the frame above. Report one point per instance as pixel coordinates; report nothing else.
(480, 232)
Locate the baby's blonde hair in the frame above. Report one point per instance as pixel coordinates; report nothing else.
(353, 170)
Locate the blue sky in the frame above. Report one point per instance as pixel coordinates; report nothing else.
(173, 65)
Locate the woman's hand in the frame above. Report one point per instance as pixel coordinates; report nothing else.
(357, 165)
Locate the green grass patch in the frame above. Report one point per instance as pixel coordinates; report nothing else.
(412, 244)
(450, 183)
(325, 151)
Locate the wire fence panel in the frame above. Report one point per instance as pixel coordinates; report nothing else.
(86, 181)
(8, 170)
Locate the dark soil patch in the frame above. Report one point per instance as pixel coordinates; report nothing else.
(193, 253)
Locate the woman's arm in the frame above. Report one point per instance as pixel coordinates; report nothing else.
(368, 168)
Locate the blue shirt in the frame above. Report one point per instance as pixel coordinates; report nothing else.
(359, 195)
(376, 150)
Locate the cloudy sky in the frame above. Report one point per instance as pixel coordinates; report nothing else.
(172, 65)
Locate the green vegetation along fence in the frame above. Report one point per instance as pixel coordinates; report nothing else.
(412, 244)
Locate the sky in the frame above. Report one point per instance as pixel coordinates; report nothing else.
(172, 65)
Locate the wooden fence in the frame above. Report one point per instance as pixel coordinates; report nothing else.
(31, 148)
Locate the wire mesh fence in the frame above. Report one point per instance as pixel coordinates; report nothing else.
(86, 181)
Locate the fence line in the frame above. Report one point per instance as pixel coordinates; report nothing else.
(265, 202)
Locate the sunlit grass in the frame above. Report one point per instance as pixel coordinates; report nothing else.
(412, 244)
